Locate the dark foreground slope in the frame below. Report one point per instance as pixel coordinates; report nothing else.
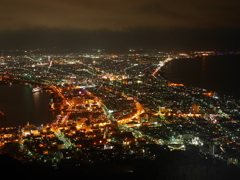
(181, 165)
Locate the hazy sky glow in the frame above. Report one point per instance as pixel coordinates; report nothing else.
(120, 19)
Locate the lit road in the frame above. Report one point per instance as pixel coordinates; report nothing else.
(123, 126)
(59, 134)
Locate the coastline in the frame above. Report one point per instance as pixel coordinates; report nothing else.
(20, 106)
(213, 73)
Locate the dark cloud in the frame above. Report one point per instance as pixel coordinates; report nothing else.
(115, 23)
(118, 14)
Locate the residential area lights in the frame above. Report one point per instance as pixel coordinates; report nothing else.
(117, 106)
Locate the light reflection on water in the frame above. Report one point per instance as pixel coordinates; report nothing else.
(21, 106)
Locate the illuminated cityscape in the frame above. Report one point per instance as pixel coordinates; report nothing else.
(120, 89)
(117, 107)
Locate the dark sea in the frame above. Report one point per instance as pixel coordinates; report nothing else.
(219, 73)
(21, 106)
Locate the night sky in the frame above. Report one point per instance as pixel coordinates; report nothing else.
(162, 24)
